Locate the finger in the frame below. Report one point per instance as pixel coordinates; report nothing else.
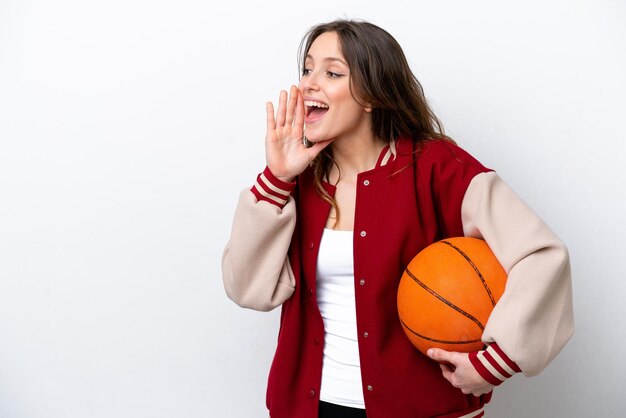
(280, 115)
(446, 368)
(291, 105)
(299, 121)
(317, 147)
(447, 372)
(271, 122)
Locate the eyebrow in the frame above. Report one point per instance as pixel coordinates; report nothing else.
(328, 59)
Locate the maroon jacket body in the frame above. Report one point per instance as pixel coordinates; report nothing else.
(400, 209)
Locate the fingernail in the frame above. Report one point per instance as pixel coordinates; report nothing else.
(430, 353)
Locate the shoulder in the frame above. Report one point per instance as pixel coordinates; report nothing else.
(435, 150)
(446, 152)
(443, 156)
(441, 164)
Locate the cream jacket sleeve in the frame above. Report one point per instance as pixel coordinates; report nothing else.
(255, 266)
(533, 319)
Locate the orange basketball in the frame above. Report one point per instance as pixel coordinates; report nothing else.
(447, 293)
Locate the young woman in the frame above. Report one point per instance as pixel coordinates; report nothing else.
(340, 210)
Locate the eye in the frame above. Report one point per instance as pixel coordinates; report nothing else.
(306, 71)
(331, 74)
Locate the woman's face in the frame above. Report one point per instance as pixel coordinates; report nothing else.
(331, 111)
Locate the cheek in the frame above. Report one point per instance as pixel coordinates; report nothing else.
(341, 93)
(342, 101)
(348, 105)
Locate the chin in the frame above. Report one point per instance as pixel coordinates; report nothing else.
(315, 136)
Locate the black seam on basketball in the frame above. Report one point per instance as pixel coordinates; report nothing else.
(436, 340)
(441, 298)
(480, 276)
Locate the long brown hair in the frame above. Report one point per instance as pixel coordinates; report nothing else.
(381, 77)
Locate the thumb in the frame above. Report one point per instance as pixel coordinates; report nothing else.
(317, 147)
(439, 355)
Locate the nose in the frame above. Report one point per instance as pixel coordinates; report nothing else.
(309, 82)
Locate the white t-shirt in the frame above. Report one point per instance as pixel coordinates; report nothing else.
(341, 371)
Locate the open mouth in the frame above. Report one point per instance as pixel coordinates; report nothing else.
(315, 110)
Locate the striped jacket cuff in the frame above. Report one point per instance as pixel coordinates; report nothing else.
(271, 189)
(493, 365)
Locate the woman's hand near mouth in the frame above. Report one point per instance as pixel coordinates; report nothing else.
(286, 154)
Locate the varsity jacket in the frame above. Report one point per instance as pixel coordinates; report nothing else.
(408, 201)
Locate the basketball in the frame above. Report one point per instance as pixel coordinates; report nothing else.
(447, 293)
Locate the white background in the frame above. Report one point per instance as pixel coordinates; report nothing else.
(128, 128)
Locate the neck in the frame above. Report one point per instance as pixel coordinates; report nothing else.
(357, 153)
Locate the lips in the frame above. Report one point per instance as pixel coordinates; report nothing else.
(315, 110)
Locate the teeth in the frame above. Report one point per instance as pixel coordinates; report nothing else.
(311, 103)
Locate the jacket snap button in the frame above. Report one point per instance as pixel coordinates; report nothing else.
(362, 282)
(370, 388)
(311, 393)
(363, 233)
(366, 334)
(366, 182)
